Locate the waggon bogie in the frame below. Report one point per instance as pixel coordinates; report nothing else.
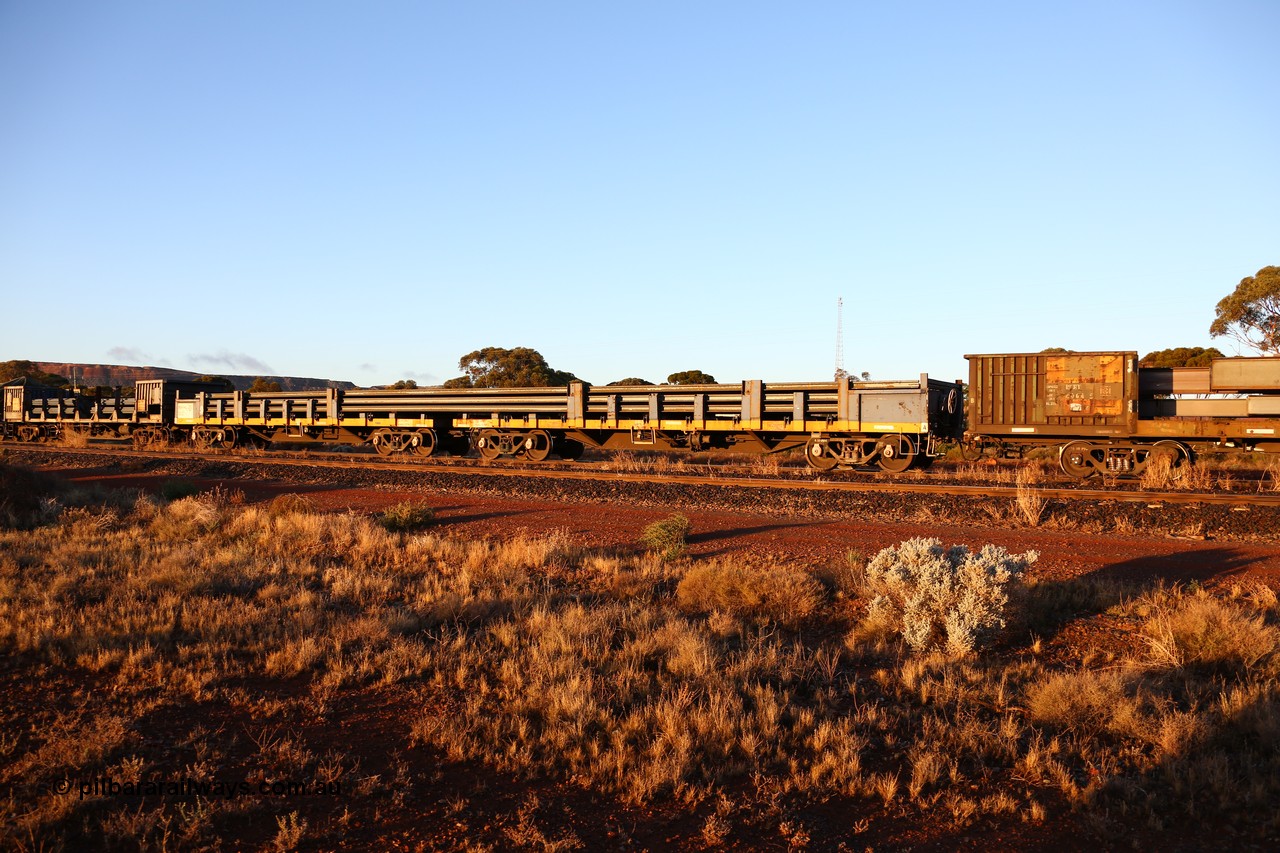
(534, 445)
(490, 444)
(210, 437)
(36, 432)
(893, 453)
(156, 435)
(420, 442)
(1083, 459)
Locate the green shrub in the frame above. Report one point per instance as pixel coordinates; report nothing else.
(407, 516)
(668, 537)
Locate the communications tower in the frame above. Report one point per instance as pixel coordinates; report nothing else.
(841, 373)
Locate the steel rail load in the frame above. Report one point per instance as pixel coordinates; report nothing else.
(1107, 414)
(893, 424)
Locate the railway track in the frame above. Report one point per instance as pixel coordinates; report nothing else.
(596, 472)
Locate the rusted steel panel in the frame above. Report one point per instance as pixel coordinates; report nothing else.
(1083, 393)
(1005, 389)
(1245, 375)
(1084, 385)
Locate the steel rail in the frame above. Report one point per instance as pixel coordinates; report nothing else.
(813, 485)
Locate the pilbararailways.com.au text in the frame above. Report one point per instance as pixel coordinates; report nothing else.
(189, 787)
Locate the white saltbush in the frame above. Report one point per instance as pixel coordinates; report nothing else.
(940, 597)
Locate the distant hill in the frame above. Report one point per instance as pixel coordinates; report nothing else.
(116, 374)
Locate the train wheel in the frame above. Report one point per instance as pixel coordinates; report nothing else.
(1076, 460)
(896, 454)
(426, 442)
(487, 444)
(536, 446)
(819, 456)
(383, 441)
(1174, 452)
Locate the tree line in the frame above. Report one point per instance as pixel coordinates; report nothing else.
(522, 367)
(1250, 315)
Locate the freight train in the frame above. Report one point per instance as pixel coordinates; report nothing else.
(1101, 410)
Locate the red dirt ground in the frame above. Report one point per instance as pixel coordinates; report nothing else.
(807, 541)
(428, 822)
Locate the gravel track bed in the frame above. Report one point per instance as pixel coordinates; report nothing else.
(1193, 521)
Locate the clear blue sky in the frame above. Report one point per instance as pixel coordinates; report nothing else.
(366, 191)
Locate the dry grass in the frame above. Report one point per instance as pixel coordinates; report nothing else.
(707, 463)
(73, 437)
(1030, 502)
(1201, 631)
(650, 462)
(1006, 472)
(27, 499)
(734, 693)
(768, 593)
(1159, 474)
(1270, 479)
(1195, 476)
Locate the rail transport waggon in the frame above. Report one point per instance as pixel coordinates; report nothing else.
(895, 425)
(1107, 414)
(34, 412)
(1102, 411)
